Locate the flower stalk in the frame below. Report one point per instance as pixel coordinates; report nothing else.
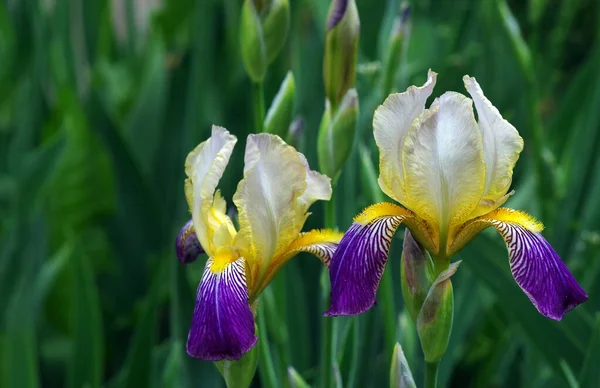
(266, 367)
(431, 374)
(258, 101)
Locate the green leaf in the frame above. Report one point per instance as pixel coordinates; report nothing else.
(488, 261)
(590, 373)
(86, 365)
(138, 363)
(146, 119)
(19, 350)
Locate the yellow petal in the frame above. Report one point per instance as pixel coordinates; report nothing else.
(321, 243)
(444, 172)
(501, 144)
(391, 123)
(204, 167)
(274, 179)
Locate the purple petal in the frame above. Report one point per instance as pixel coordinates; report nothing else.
(357, 265)
(539, 271)
(223, 324)
(187, 246)
(336, 13)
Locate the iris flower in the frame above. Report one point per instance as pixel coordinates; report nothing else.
(451, 174)
(272, 202)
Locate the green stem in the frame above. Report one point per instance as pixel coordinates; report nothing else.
(388, 307)
(328, 326)
(357, 345)
(330, 214)
(265, 366)
(258, 99)
(431, 374)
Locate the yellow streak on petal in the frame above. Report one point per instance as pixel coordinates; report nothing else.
(221, 260)
(517, 217)
(380, 210)
(315, 236)
(469, 230)
(420, 228)
(305, 242)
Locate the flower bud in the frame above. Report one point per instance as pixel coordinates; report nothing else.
(336, 134)
(400, 374)
(252, 41)
(239, 373)
(399, 34)
(296, 133)
(187, 246)
(416, 267)
(263, 28)
(295, 380)
(281, 112)
(341, 47)
(275, 26)
(434, 322)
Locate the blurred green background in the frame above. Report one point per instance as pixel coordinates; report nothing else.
(101, 100)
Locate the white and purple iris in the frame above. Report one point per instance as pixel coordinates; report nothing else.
(272, 202)
(451, 173)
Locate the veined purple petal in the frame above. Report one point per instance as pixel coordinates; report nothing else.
(539, 271)
(187, 246)
(223, 324)
(358, 263)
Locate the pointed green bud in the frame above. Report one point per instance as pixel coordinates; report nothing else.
(263, 28)
(295, 380)
(434, 322)
(393, 56)
(252, 41)
(280, 114)
(296, 133)
(336, 134)
(341, 47)
(239, 373)
(400, 374)
(276, 24)
(415, 274)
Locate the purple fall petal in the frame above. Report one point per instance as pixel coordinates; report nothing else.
(223, 324)
(539, 271)
(187, 246)
(357, 265)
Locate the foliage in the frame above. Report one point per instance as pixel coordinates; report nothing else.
(100, 101)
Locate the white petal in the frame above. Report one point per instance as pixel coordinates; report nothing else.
(204, 167)
(318, 186)
(501, 143)
(391, 123)
(443, 162)
(274, 178)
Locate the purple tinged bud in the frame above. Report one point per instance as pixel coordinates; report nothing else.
(396, 45)
(187, 246)
(296, 132)
(434, 322)
(404, 12)
(341, 48)
(416, 266)
(336, 13)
